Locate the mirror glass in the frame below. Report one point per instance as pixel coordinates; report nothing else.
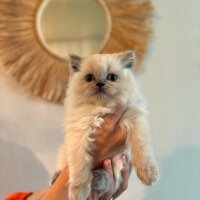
(72, 26)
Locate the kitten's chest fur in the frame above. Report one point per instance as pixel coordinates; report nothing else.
(86, 116)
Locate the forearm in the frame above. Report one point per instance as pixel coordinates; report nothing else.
(38, 195)
(58, 191)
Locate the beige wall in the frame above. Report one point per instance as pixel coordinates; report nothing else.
(30, 129)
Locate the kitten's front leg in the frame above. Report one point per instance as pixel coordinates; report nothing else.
(79, 146)
(80, 174)
(141, 151)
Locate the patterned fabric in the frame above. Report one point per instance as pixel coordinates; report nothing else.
(18, 196)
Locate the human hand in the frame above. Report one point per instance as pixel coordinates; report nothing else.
(111, 193)
(110, 140)
(59, 190)
(115, 144)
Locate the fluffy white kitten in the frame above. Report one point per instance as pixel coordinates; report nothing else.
(98, 83)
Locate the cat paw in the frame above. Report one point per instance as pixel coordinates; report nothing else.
(80, 192)
(100, 182)
(148, 173)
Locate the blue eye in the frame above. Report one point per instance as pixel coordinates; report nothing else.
(89, 77)
(112, 77)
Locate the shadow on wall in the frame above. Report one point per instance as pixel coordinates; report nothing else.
(180, 177)
(20, 170)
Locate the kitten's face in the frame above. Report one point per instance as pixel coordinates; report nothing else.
(102, 77)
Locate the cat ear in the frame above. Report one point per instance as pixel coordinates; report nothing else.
(127, 59)
(75, 62)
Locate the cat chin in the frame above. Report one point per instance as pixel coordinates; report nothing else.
(108, 100)
(102, 99)
(103, 95)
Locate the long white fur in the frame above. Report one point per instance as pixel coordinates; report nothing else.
(85, 108)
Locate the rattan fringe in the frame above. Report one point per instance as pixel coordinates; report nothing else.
(46, 75)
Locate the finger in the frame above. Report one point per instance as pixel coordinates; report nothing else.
(107, 166)
(125, 173)
(118, 142)
(93, 196)
(112, 119)
(115, 144)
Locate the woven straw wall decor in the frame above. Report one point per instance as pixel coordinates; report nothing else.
(45, 74)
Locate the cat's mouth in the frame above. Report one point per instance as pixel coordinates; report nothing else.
(101, 90)
(101, 93)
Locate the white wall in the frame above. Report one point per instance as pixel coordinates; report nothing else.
(30, 129)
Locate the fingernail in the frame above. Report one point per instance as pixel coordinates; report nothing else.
(123, 157)
(94, 194)
(107, 164)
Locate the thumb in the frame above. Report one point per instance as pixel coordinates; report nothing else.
(93, 196)
(107, 166)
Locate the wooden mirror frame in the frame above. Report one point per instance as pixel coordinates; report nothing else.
(45, 74)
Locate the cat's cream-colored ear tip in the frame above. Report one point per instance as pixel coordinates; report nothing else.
(72, 56)
(127, 58)
(131, 53)
(74, 62)
(127, 53)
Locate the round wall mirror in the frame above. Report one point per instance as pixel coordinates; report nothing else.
(37, 35)
(72, 26)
